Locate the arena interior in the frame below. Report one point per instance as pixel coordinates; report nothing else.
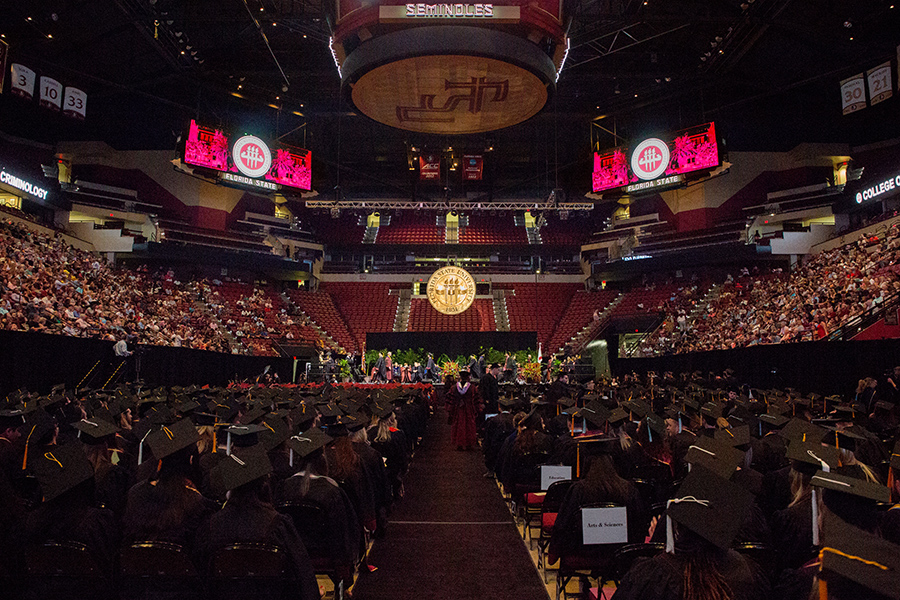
(592, 299)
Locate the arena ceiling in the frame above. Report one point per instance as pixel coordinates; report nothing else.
(766, 70)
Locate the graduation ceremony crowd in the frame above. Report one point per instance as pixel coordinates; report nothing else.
(831, 289)
(102, 490)
(754, 493)
(49, 286)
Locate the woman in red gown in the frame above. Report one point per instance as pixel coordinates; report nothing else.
(463, 405)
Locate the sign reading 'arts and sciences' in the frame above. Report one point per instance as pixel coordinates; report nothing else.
(657, 162)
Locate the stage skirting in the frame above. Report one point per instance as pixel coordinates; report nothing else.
(37, 361)
(820, 367)
(452, 343)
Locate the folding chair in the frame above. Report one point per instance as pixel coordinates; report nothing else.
(763, 555)
(553, 499)
(153, 569)
(589, 562)
(312, 525)
(627, 554)
(57, 569)
(249, 570)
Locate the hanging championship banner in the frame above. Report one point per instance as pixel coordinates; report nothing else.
(4, 52)
(50, 93)
(473, 166)
(75, 103)
(22, 83)
(880, 85)
(430, 167)
(853, 94)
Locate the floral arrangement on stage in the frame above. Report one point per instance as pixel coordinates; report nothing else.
(532, 372)
(450, 369)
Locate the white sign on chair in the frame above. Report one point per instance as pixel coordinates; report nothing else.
(604, 525)
(554, 473)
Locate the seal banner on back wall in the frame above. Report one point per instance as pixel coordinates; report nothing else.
(451, 290)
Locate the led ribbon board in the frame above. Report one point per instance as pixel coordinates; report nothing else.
(248, 160)
(657, 162)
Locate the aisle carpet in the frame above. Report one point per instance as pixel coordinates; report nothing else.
(451, 537)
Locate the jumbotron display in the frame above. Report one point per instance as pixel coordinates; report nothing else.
(248, 160)
(655, 163)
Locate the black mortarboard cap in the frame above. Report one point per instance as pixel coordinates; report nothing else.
(187, 406)
(720, 458)
(842, 438)
(885, 406)
(798, 429)
(617, 415)
(711, 409)
(773, 420)
(595, 413)
(307, 442)
(244, 435)
(275, 432)
(656, 423)
(734, 436)
(712, 507)
(243, 466)
(94, 429)
(638, 407)
(169, 439)
(850, 485)
(202, 419)
(861, 557)
(808, 456)
(253, 415)
(38, 428)
(60, 469)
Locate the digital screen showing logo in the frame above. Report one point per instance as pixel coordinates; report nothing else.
(661, 160)
(650, 159)
(251, 156)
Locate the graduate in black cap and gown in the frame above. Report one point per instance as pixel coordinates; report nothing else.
(249, 517)
(701, 521)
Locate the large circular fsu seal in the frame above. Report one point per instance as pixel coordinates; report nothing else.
(451, 290)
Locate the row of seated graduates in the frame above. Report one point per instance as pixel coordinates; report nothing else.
(634, 445)
(91, 479)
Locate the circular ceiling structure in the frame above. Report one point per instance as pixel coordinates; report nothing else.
(448, 80)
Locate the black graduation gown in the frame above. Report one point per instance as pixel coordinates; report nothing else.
(792, 533)
(496, 430)
(358, 487)
(396, 458)
(96, 528)
(662, 578)
(259, 522)
(169, 511)
(347, 535)
(377, 475)
(490, 393)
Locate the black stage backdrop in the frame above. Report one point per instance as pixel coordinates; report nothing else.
(821, 367)
(452, 343)
(36, 362)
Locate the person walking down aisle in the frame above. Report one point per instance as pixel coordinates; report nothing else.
(463, 406)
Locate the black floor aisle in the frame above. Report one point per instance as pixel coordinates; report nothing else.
(451, 537)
